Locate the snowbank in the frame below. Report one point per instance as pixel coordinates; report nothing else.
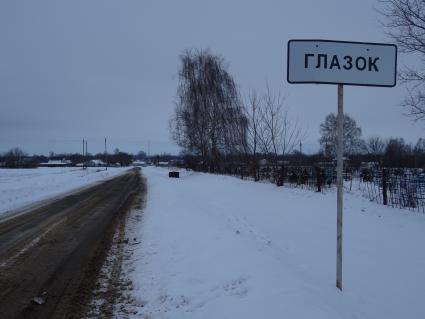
(219, 247)
(20, 187)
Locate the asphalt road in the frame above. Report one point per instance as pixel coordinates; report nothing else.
(54, 252)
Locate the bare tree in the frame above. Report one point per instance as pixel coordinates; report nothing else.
(252, 109)
(279, 133)
(375, 146)
(13, 157)
(404, 21)
(293, 133)
(264, 136)
(273, 122)
(352, 136)
(208, 119)
(420, 146)
(396, 153)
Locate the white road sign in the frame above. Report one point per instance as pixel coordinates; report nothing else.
(342, 62)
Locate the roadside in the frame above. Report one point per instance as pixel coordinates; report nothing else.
(214, 246)
(111, 297)
(50, 256)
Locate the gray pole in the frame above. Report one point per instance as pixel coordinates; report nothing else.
(339, 181)
(106, 160)
(86, 154)
(149, 148)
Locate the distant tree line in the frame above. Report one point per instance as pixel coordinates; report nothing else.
(17, 158)
(392, 153)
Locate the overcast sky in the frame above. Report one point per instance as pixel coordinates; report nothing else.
(101, 68)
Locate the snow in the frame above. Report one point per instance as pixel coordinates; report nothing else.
(21, 187)
(219, 247)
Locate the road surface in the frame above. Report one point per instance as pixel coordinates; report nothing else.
(53, 253)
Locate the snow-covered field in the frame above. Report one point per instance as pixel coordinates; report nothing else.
(220, 247)
(21, 187)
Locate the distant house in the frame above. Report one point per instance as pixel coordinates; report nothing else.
(96, 163)
(56, 163)
(163, 164)
(93, 163)
(139, 163)
(177, 163)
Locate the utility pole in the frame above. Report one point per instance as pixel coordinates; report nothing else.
(86, 154)
(106, 161)
(301, 145)
(149, 148)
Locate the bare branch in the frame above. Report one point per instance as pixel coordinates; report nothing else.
(404, 21)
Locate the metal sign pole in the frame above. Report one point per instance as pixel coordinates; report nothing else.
(342, 63)
(339, 178)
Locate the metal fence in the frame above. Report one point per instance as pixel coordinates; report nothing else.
(401, 188)
(305, 177)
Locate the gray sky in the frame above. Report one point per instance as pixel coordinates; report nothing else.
(101, 68)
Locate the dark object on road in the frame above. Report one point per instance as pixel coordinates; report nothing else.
(40, 300)
(174, 174)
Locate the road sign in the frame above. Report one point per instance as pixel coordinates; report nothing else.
(342, 62)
